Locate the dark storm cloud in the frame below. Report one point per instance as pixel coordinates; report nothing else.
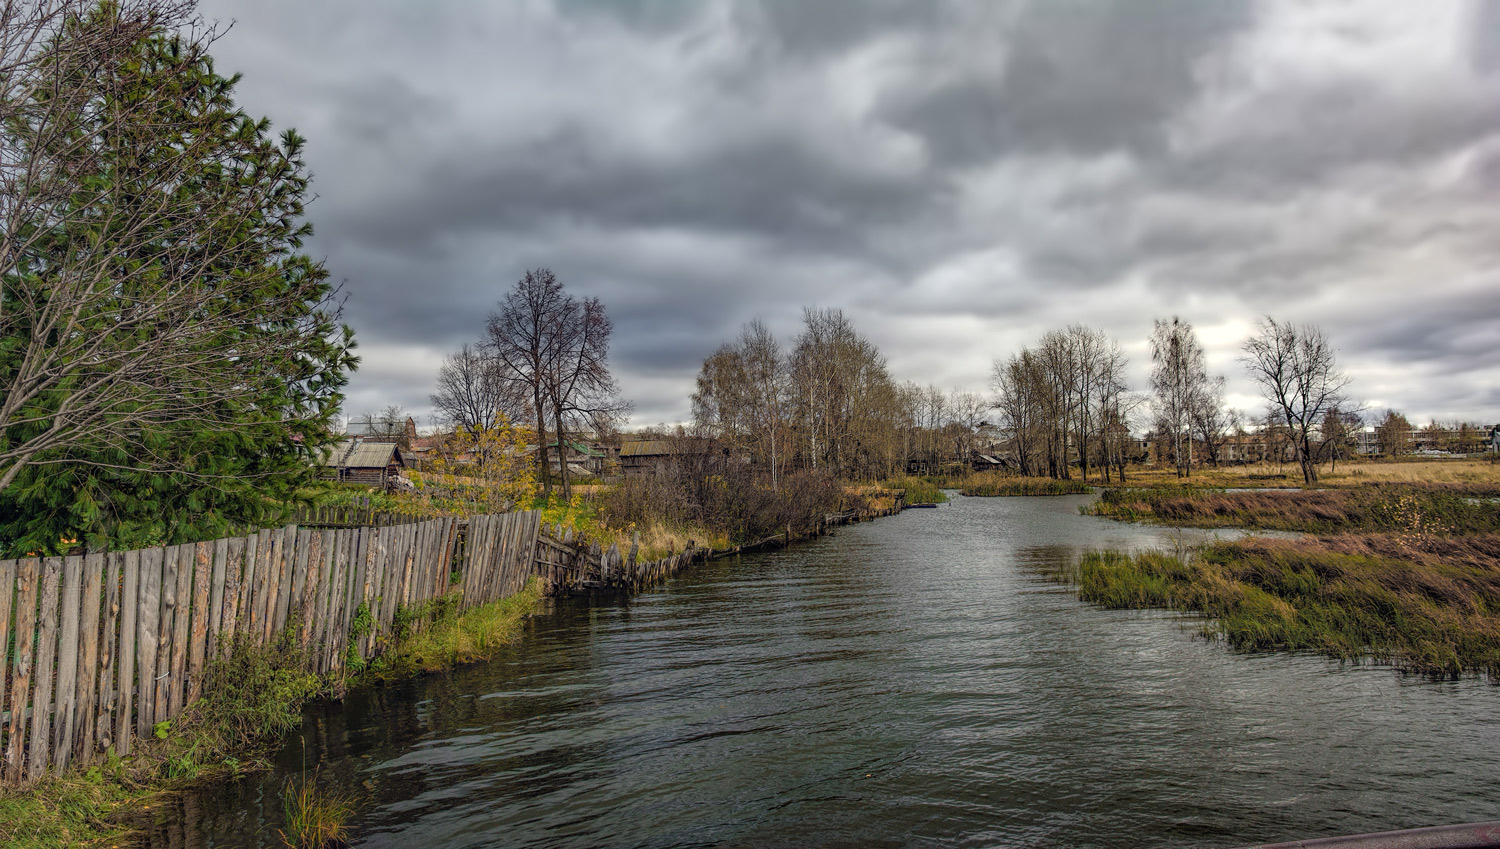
(1083, 77)
(959, 176)
(772, 188)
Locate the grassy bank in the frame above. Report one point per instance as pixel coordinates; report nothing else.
(917, 490)
(252, 697)
(987, 484)
(1422, 510)
(1435, 612)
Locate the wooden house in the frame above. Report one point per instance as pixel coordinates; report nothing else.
(366, 463)
(655, 456)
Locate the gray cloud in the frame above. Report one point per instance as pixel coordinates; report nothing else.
(958, 176)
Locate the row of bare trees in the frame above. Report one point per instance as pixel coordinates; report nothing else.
(1396, 435)
(1064, 398)
(829, 403)
(1064, 402)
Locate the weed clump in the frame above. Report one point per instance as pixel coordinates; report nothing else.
(918, 490)
(453, 638)
(315, 818)
(252, 696)
(989, 485)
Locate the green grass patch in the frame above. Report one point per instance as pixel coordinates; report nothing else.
(454, 638)
(1355, 598)
(917, 490)
(988, 486)
(74, 810)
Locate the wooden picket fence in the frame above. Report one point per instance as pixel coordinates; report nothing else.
(99, 648)
(349, 517)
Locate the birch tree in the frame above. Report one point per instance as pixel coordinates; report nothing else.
(1178, 379)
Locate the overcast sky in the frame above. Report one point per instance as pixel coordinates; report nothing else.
(958, 177)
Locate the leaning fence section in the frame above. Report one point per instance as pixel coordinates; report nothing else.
(100, 648)
(569, 565)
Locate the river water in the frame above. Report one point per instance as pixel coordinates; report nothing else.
(916, 681)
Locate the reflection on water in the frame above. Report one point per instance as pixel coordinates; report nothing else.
(913, 681)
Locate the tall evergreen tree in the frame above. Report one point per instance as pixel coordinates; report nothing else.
(171, 361)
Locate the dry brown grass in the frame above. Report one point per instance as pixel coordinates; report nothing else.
(1457, 471)
(1417, 510)
(659, 539)
(1251, 476)
(1346, 473)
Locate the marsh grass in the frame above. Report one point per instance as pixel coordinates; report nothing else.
(1420, 511)
(1406, 470)
(1434, 612)
(987, 484)
(316, 817)
(917, 490)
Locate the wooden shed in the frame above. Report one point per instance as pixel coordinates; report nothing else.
(367, 463)
(653, 456)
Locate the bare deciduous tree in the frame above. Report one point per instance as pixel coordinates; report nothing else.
(1210, 422)
(554, 349)
(472, 396)
(1019, 385)
(1301, 382)
(1393, 434)
(741, 397)
(843, 399)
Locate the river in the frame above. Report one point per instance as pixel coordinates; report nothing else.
(920, 680)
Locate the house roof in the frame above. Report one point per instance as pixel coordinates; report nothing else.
(354, 454)
(646, 448)
(665, 447)
(578, 447)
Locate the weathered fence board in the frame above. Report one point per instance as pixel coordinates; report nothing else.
(130, 588)
(65, 710)
(46, 654)
(25, 606)
(198, 634)
(109, 646)
(7, 596)
(218, 579)
(146, 636)
(164, 625)
(182, 623)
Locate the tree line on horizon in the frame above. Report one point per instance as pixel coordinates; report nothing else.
(825, 400)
